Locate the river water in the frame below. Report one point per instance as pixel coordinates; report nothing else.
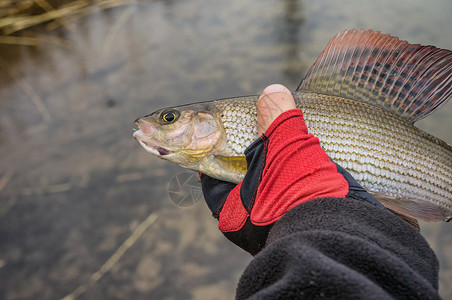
(85, 212)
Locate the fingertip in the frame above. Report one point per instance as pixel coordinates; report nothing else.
(273, 101)
(276, 96)
(274, 88)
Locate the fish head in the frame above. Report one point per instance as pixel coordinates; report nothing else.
(183, 135)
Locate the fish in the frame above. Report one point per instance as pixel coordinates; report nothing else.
(361, 98)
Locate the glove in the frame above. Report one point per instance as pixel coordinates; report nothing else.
(286, 167)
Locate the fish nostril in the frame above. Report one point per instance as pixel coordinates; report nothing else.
(145, 127)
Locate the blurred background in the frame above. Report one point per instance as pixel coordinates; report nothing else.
(85, 212)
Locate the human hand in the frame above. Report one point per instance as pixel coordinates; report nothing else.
(286, 167)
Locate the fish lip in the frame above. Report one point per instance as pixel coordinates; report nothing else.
(162, 151)
(151, 148)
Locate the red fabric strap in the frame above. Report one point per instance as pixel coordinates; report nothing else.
(233, 215)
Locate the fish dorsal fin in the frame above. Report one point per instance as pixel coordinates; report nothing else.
(409, 80)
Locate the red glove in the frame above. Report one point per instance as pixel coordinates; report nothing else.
(286, 167)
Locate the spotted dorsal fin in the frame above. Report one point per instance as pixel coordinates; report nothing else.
(409, 80)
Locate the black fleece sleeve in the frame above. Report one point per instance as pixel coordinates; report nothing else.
(336, 248)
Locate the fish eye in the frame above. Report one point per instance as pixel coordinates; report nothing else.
(169, 116)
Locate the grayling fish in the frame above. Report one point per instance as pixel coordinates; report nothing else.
(360, 98)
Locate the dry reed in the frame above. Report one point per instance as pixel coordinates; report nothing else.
(18, 15)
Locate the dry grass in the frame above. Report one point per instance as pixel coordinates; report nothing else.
(33, 22)
(18, 15)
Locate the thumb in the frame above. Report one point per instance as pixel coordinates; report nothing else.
(273, 101)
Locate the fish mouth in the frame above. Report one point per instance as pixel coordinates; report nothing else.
(149, 147)
(152, 148)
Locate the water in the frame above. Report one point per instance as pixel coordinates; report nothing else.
(74, 185)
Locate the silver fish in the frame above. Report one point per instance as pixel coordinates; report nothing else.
(361, 98)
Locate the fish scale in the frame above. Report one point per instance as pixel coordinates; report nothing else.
(239, 122)
(385, 160)
(410, 164)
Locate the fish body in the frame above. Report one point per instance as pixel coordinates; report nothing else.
(360, 100)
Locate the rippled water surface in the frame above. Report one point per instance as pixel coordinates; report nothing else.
(84, 211)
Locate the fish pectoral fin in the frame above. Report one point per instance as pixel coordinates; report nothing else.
(412, 209)
(233, 164)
